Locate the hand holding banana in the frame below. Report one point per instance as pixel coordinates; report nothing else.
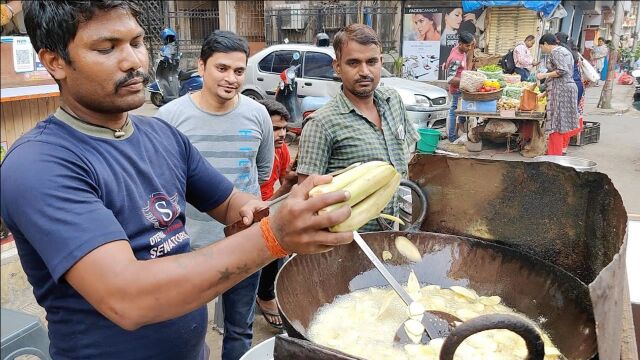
(340, 204)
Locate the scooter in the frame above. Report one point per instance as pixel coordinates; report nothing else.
(299, 108)
(287, 95)
(172, 83)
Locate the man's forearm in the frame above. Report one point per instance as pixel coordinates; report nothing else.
(185, 282)
(146, 292)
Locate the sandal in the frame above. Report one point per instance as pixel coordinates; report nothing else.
(268, 315)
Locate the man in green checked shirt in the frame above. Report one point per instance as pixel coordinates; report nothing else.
(363, 122)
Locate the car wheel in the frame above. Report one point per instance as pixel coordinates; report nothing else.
(156, 99)
(252, 94)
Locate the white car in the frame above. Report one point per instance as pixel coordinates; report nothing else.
(427, 105)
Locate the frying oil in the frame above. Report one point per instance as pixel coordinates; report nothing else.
(364, 323)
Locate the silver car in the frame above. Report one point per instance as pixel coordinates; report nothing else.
(427, 105)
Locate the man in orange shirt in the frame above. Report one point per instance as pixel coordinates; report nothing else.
(281, 172)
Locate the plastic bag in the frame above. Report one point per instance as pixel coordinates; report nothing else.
(529, 100)
(512, 92)
(625, 79)
(588, 70)
(471, 81)
(501, 126)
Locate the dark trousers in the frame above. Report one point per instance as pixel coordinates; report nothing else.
(524, 73)
(266, 288)
(239, 305)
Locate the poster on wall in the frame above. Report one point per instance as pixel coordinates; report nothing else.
(421, 43)
(428, 35)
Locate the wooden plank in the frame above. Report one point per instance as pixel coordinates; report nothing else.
(3, 128)
(28, 97)
(51, 105)
(57, 102)
(11, 127)
(35, 112)
(42, 107)
(19, 116)
(3, 124)
(25, 124)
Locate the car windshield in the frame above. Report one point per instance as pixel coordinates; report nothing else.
(386, 74)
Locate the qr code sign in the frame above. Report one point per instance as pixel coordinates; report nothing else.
(22, 54)
(23, 57)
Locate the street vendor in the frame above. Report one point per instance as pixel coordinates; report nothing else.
(458, 60)
(363, 122)
(523, 59)
(95, 199)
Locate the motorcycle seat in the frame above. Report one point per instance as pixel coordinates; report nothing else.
(185, 75)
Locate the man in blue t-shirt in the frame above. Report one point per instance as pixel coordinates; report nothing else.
(95, 199)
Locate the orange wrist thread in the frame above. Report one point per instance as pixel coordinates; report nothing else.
(270, 239)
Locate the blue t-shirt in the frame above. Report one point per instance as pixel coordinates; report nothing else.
(65, 193)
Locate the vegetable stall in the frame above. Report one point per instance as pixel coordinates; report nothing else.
(500, 108)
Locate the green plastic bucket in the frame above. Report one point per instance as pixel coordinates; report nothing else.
(428, 140)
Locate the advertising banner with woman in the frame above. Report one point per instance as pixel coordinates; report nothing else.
(421, 43)
(429, 34)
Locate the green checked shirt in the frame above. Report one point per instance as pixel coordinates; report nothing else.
(338, 135)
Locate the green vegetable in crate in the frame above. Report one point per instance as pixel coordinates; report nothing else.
(491, 68)
(512, 92)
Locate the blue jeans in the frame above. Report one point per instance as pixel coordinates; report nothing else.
(451, 123)
(524, 73)
(239, 305)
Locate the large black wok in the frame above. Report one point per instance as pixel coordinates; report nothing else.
(554, 299)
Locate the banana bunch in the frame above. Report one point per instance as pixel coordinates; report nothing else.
(371, 185)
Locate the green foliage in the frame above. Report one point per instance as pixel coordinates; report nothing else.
(398, 63)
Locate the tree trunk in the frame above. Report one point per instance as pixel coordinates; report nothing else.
(607, 89)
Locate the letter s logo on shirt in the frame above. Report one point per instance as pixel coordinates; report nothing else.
(161, 210)
(165, 213)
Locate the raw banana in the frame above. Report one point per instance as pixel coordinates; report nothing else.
(371, 186)
(344, 179)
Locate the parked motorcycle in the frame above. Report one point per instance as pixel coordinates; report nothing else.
(299, 107)
(172, 82)
(287, 93)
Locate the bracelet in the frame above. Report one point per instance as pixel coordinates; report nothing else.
(270, 239)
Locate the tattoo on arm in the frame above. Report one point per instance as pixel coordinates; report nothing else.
(226, 274)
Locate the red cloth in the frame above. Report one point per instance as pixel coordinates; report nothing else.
(280, 163)
(569, 134)
(555, 143)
